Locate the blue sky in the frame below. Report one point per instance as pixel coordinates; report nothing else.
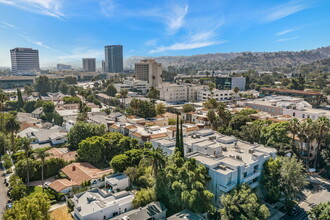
(64, 31)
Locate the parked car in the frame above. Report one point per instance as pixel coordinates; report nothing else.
(294, 210)
(9, 205)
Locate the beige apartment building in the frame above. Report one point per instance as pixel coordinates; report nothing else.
(150, 71)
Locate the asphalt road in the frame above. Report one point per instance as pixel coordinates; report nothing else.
(3, 192)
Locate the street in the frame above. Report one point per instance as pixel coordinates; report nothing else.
(3, 192)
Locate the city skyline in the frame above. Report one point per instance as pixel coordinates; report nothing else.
(65, 32)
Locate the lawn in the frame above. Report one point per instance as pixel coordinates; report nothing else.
(34, 189)
(61, 214)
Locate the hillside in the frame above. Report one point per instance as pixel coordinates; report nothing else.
(284, 61)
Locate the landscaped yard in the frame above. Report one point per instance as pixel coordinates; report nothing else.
(61, 214)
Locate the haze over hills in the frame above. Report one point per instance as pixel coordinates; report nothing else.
(283, 61)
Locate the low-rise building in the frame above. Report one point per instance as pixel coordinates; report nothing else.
(101, 204)
(185, 215)
(117, 182)
(152, 211)
(219, 95)
(170, 92)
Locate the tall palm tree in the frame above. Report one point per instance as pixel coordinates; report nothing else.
(156, 158)
(236, 90)
(42, 155)
(26, 147)
(322, 128)
(293, 127)
(12, 126)
(123, 94)
(224, 115)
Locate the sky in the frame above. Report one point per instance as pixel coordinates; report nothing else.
(64, 31)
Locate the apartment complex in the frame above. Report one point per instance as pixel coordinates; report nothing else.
(114, 59)
(24, 61)
(286, 105)
(89, 64)
(316, 99)
(219, 95)
(178, 93)
(61, 66)
(150, 71)
(7, 82)
(230, 161)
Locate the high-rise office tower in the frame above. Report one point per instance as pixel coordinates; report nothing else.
(103, 66)
(114, 59)
(149, 70)
(89, 64)
(24, 61)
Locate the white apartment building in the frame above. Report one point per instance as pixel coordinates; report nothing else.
(284, 105)
(219, 95)
(150, 71)
(140, 85)
(101, 204)
(171, 92)
(230, 162)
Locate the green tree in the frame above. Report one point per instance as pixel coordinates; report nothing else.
(293, 177)
(72, 91)
(29, 106)
(123, 95)
(238, 121)
(3, 99)
(320, 211)
(275, 135)
(211, 104)
(293, 127)
(18, 188)
(271, 180)
(188, 108)
(111, 90)
(42, 85)
(224, 114)
(156, 158)
(58, 120)
(160, 109)
(323, 127)
(71, 80)
(243, 204)
(32, 207)
(80, 131)
(119, 162)
(73, 99)
(20, 101)
(26, 147)
(153, 93)
(64, 88)
(144, 108)
(12, 126)
(182, 185)
(144, 197)
(42, 155)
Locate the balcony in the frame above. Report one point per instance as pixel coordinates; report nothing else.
(228, 187)
(251, 176)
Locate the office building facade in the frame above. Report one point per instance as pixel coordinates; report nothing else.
(61, 66)
(89, 64)
(114, 62)
(150, 71)
(24, 61)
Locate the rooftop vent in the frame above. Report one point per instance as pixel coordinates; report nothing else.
(238, 157)
(222, 167)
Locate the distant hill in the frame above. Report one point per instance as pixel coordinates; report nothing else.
(283, 61)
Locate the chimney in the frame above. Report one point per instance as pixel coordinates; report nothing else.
(73, 168)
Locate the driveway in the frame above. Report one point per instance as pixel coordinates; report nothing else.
(3, 192)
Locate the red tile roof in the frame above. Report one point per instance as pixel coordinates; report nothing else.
(60, 184)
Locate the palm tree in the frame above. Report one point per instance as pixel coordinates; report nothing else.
(211, 87)
(293, 127)
(12, 126)
(322, 128)
(156, 158)
(224, 115)
(236, 90)
(42, 155)
(26, 146)
(123, 94)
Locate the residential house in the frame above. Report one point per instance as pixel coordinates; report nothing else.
(117, 182)
(37, 112)
(101, 204)
(152, 211)
(185, 215)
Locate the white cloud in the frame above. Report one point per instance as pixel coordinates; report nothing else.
(287, 39)
(185, 46)
(45, 7)
(38, 43)
(285, 10)
(171, 14)
(151, 42)
(175, 19)
(7, 25)
(284, 32)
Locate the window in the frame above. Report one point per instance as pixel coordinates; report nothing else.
(256, 167)
(303, 115)
(293, 114)
(244, 174)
